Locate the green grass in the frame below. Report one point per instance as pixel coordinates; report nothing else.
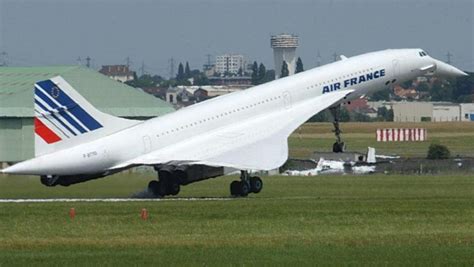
(324, 220)
(457, 136)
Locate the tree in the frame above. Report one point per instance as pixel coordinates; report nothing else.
(299, 66)
(323, 116)
(269, 76)
(381, 95)
(344, 115)
(180, 75)
(423, 87)
(441, 91)
(436, 151)
(464, 88)
(262, 71)
(255, 73)
(187, 71)
(240, 72)
(284, 70)
(357, 116)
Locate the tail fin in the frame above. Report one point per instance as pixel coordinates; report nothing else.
(63, 118)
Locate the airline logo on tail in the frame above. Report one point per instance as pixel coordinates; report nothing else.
(58, 116)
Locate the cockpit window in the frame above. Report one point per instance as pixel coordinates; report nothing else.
(422, 54)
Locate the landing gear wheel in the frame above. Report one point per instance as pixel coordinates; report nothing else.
(153, 187)
(162, 190)
(244, 189)
(235, 188)
(256, 184)
(50, 180)
(173, 188)
(338, 147)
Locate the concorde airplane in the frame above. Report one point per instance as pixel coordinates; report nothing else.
(246, 130)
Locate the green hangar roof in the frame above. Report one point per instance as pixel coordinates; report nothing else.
(109, 96)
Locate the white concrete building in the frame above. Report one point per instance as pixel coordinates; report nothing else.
(444, 111)
(412, 111)
(284, 49)
(467, 112)
(432, 111)
(230, 63)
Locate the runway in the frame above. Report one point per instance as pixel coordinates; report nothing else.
(50, 200)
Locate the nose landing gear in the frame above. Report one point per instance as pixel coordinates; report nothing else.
(247, 184)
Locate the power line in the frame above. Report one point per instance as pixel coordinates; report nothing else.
(335, 56)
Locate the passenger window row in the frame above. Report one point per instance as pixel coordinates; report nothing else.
(223, 114)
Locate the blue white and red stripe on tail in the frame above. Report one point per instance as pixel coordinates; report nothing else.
(58, 116)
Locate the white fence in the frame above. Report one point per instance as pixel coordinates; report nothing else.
(401, 135)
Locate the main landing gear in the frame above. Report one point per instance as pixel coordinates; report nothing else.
(171, 179)
(247, 184)
(339, 146)
(168, 184)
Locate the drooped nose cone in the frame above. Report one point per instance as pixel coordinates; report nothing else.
(444, 69)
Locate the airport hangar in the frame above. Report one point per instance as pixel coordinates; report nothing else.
(16, 103)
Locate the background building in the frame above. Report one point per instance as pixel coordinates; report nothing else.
(284, 49)
(230, 64)
(16, 103)
(119, 73)
(432, 111)
(467, 111)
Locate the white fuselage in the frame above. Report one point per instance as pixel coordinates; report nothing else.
(380, 70)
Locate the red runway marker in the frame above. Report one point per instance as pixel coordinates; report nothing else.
(144, 214)
(72, 213)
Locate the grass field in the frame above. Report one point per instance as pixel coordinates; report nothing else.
(457, 136)
(323, 220)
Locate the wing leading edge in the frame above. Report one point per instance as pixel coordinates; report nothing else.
(259, 143)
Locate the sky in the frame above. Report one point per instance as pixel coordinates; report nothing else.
(54, 32)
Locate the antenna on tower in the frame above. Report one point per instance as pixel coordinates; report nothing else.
(448, 57)
(88, 61)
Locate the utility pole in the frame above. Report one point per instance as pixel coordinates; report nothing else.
(79, 61)
(335, 56)
(448, 56)
(88, 61)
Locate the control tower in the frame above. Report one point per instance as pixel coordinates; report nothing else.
(284, 49)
